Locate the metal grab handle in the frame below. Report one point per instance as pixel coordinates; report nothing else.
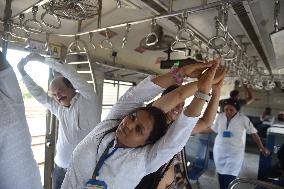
(77, 47)
(106, 43)
(35, 22)
(189, 35)
(152, 39)
(51, 25)
(91, 40)
(118, 3)
(82, 8)
(124, 40)
(213, 40)
(232, 56)
(254, 182)
(15, 27)
(47, 47)
(175, 48)
(50, 10)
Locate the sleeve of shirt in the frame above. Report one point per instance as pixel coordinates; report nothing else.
(215, 126)
(170, 144)
(250, 129)
(40, 95)
(69, 72)
(9, 85)
(135, 97)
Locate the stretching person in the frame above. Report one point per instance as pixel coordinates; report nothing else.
(18, 168)
(77, 112)
(133, 142)
(172, 174)
(229, 147)
(235, 95)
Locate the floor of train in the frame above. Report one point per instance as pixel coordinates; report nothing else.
(209, 180)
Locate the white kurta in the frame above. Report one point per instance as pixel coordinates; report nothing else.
(229, 152)
(18, 168)
(127, 166)
(76, 121)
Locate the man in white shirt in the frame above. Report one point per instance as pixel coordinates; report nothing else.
(18, 168)
(77, 112)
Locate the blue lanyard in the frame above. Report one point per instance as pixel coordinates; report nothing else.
(228, 123)
(103, 158)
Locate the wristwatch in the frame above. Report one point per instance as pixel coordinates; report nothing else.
(202, 96)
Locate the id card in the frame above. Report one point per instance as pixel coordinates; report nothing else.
(95, 184)
(227, 134)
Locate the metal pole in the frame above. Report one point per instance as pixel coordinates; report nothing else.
(7, 16)
(149, 19)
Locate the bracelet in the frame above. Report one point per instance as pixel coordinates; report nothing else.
(177, 76)
(202, 96)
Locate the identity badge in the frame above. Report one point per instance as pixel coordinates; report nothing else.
(96, 184)
(227, 134)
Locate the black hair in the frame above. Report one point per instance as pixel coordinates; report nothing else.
(280, 156)
(160, 123)
(280, 117)
(159, 126)
(232, 102)
(67, 83)
(169, 89)
(234, 93)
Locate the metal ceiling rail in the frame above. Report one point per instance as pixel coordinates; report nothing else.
(176, 13)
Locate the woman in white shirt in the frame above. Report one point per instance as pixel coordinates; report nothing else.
(137, 147)
(229, 147)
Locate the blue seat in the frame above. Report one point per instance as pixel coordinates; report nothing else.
(196, 154)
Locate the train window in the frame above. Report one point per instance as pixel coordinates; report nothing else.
(112, 90)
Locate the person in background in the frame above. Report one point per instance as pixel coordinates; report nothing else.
(267, 117)
(280, 120)
(235, 95)
(18, 168)
(77, 112)
(229, 147)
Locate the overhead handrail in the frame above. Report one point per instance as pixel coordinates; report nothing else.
(237, 181)
(49, 9)
(35, 22)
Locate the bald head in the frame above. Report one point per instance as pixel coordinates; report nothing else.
(62, 91)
